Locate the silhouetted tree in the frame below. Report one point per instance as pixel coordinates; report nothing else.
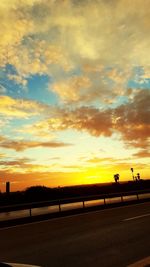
(138, 176)
(116, 178)
(38, 192)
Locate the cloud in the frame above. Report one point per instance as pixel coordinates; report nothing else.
(38, 35)
(96, 122)
(97, 160)
(97, 84)
(20, 108)
(18, 162)
(23, 165)
(2, 138)
(2, 155)
(22, 44)
(2, 89)
(143, 153)
(129, 120)
(132, 120)
(18, 79)
(3, 123)
(72, 89)
(23, 145)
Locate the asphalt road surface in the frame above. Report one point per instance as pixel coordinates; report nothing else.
(114, 237)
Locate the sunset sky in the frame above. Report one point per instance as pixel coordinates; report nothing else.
(74, 91)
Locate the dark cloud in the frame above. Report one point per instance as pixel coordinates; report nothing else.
(133, 120)
(96, 122)
(130, 120)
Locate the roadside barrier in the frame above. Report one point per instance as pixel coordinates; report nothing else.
(76, 203)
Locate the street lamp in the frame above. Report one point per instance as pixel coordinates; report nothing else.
(132, 173)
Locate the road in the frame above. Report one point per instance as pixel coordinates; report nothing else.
(114, 237)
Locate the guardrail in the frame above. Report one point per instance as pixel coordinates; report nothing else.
(105, 197)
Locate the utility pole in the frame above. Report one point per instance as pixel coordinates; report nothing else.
(132, 173)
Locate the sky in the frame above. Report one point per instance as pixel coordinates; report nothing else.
(74, 91)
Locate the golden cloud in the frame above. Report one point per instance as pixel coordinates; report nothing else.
(19, 108)
(2, 155)
(23, 165)
(72, 89)
(98, 160)
(19, 162)
(23, 145)
(96, 84)
(74, 33)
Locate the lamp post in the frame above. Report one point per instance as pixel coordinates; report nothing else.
(132, 173)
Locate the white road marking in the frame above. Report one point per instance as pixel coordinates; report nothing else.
(137, 217)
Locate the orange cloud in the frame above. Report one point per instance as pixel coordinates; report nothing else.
(132, 120)
(96, 122)
(129, 120)
(143, 153)
(19, 162)
(23, 165)
(23, 145)
(2, 138)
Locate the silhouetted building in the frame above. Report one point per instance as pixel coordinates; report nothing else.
(7, 187)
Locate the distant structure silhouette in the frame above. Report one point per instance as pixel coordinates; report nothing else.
(137, 177)
(132, 170)
(116, 177)
(7, 188)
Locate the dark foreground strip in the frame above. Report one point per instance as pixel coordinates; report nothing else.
(3, 264)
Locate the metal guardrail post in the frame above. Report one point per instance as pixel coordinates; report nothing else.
(104, 201)
(59, 207)
(137, 196)
(83, 204)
